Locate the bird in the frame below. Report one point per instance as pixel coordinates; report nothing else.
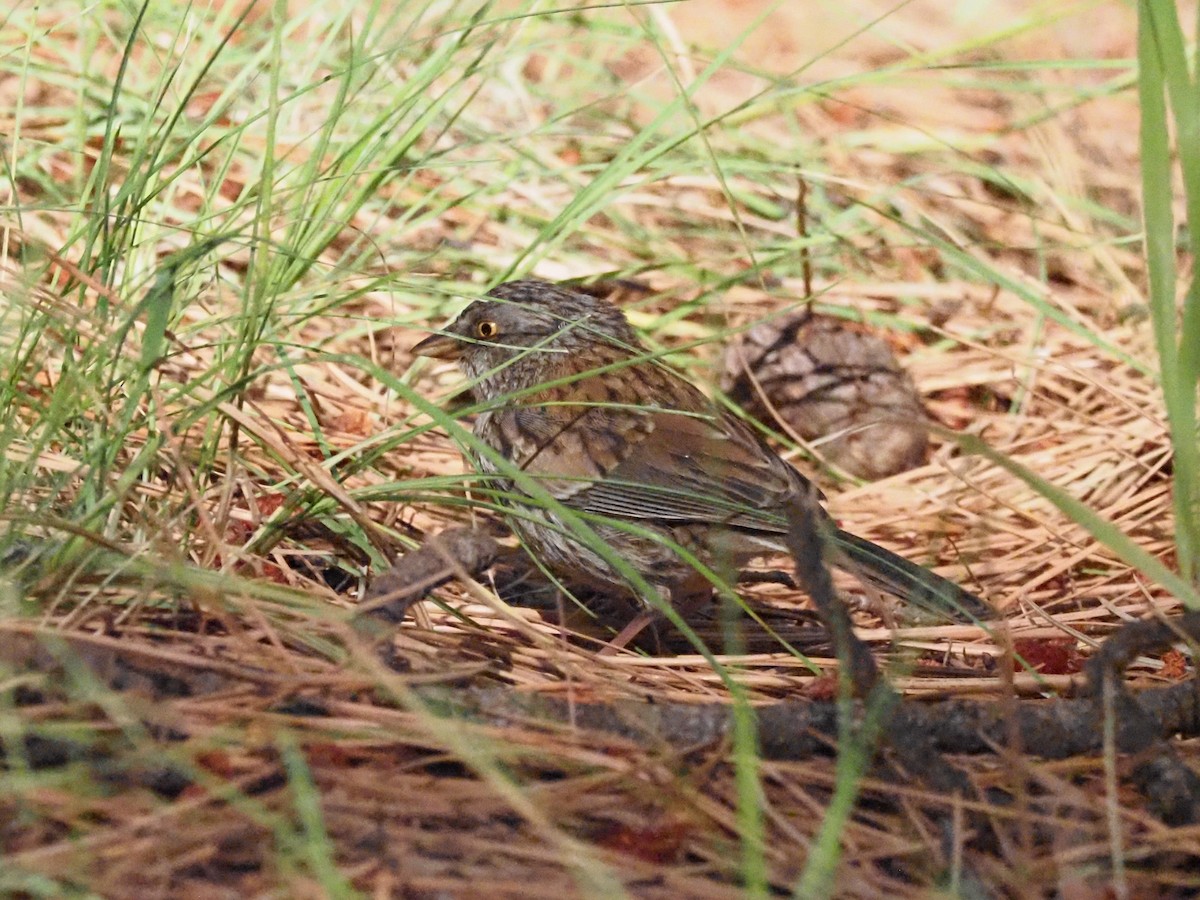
(572, 399)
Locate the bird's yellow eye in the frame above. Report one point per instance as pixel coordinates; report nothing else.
(487, 329)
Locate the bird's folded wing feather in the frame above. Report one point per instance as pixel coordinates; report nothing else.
(696, 468)
(684, 464)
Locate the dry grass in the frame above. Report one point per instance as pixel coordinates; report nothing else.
(982, 216)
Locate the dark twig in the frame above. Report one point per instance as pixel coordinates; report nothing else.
(806, 543)
(914, 753)
(1170, 786)
(461, 552)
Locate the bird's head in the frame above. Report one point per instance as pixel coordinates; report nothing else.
(527, 327)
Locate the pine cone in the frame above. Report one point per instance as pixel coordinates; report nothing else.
(833, 383)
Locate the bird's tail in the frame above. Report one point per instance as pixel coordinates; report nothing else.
(909, 581)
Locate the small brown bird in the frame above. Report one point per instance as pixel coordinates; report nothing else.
(580, 405)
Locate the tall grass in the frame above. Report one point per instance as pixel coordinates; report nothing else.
(1169, 91)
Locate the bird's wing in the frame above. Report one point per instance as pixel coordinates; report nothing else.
(677, 462)
(698, 467)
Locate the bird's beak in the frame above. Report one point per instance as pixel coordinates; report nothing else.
(439, 346)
